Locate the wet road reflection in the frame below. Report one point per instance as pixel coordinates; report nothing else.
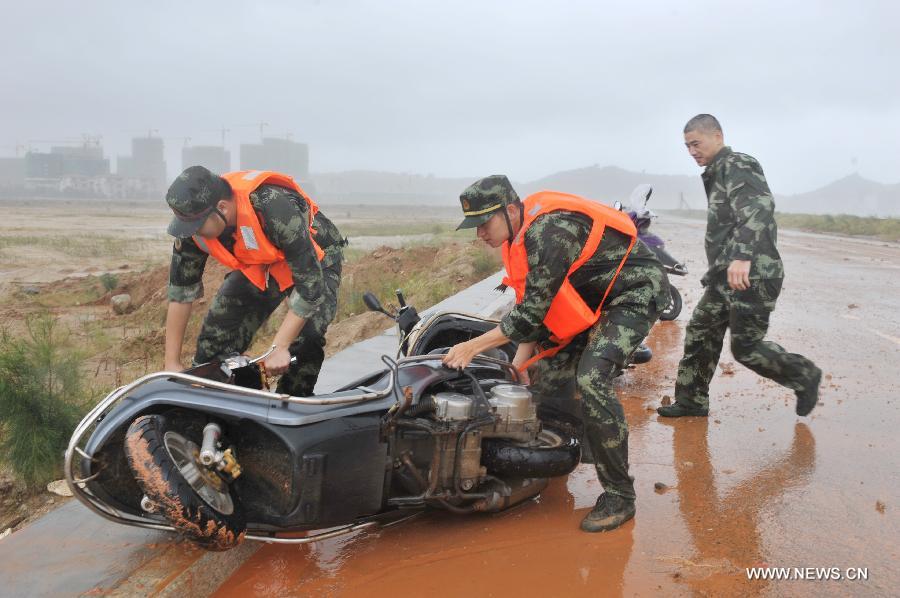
(725, 526)
(534, 548)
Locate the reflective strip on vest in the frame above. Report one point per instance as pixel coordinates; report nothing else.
(253, 253)
(249, 237)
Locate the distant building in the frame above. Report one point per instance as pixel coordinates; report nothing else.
(12, 172)
(146, 163)
(282, 155)
(85, 160)
(111, 186)
(45, 172)
(215, 158)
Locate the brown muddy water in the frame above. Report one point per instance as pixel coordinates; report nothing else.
(752, 485)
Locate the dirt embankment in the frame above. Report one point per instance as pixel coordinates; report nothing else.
(120, 348)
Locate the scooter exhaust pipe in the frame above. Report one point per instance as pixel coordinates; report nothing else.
(211, 434)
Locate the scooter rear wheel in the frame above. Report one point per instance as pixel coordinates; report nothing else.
(193, 499)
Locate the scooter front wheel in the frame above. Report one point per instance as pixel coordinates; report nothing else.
(553, 453)
(674, 308)
(193, 499)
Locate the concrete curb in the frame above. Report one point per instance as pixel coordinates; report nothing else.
(167, 576)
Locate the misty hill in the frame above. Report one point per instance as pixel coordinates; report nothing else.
(611, 183)
(850, 195)
(370, 187)
(606, 184)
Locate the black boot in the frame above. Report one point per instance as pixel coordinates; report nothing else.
(677, 409)
(809, 396)
(610, 512)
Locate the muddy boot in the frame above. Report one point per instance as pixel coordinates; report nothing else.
(610, 512)
(809, 396)
(677, 409)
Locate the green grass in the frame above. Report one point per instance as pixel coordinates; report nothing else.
(87, 291)
(886, 229)
(74, 245)
(390, 229)
(423, 285)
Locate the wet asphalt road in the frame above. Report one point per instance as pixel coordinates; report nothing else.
(752, 485)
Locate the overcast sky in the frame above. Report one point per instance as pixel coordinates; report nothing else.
(466, 88)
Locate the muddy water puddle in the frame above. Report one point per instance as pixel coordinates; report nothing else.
(752, 485)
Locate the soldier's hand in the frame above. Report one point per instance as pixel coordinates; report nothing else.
(277, 362)
(523, 354)
(739, 275)
(460, 356)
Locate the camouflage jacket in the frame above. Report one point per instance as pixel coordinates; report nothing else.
(553, 242)
(740, 223)
(284, 215)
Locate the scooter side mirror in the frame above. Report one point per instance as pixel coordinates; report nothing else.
(617, 205)
(374, 304)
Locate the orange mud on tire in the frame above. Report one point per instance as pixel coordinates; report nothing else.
(158, 476)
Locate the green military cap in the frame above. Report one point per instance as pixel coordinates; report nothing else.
(484, 197)
(193, 197)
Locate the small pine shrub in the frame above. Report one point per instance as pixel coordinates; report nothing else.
(41, 392)
(109, 281)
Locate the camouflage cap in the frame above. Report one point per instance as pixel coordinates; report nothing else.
(484, 197)
(193, 196)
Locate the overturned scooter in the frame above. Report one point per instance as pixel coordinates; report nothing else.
(213, 454)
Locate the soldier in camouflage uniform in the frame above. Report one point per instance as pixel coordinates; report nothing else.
(593, 358)
(742, 283)
(240, 308)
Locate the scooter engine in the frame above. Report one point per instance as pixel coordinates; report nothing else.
(514, 418)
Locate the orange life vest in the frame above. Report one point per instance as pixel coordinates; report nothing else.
(568, 314)
(254, 254)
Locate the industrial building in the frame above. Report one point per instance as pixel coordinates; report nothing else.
(12, 173)
(281, 155)
(85, 160)
(146, 163)
(214, 157)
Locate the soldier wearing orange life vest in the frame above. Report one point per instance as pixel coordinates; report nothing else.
(587, 293)
(262, 226)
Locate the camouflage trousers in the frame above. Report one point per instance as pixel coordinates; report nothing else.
(746, 313)
(593, 359)
(240, 308)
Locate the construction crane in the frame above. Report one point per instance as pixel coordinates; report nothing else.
(16, 148)
(66, 140)
(221, 131)
(150, 132)
(63, 140)
(261, 125)
(186, 141)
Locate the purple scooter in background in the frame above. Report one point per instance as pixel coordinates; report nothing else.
(642, 217)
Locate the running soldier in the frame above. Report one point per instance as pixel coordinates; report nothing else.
(742, 283)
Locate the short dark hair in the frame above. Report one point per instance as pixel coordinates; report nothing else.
(703, 122)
